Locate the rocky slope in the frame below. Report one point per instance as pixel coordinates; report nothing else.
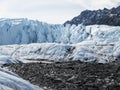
(105, 17)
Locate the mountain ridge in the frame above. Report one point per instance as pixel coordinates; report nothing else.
(101, 17)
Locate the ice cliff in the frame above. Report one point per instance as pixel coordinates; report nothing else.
(24, 31)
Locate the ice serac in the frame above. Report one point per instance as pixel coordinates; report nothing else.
(24, 31)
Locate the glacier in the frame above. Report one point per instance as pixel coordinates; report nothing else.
(24, 31)
(23, 39)
(102, 53)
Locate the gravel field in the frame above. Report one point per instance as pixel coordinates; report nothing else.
(71, 75)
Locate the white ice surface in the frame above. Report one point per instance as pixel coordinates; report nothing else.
(7, 60)
(60, 52)
(10, 81)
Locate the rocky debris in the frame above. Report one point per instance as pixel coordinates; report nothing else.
(71, 75)
(105, 16)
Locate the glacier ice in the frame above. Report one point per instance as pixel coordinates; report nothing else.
(58, 42)
(51, 51)
(7, 60)
(23, 39)
(24, 31)
(10, 81)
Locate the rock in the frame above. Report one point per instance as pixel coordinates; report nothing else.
(101, 17)
(71, 75)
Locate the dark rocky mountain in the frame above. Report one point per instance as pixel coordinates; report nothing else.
(105, 16)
